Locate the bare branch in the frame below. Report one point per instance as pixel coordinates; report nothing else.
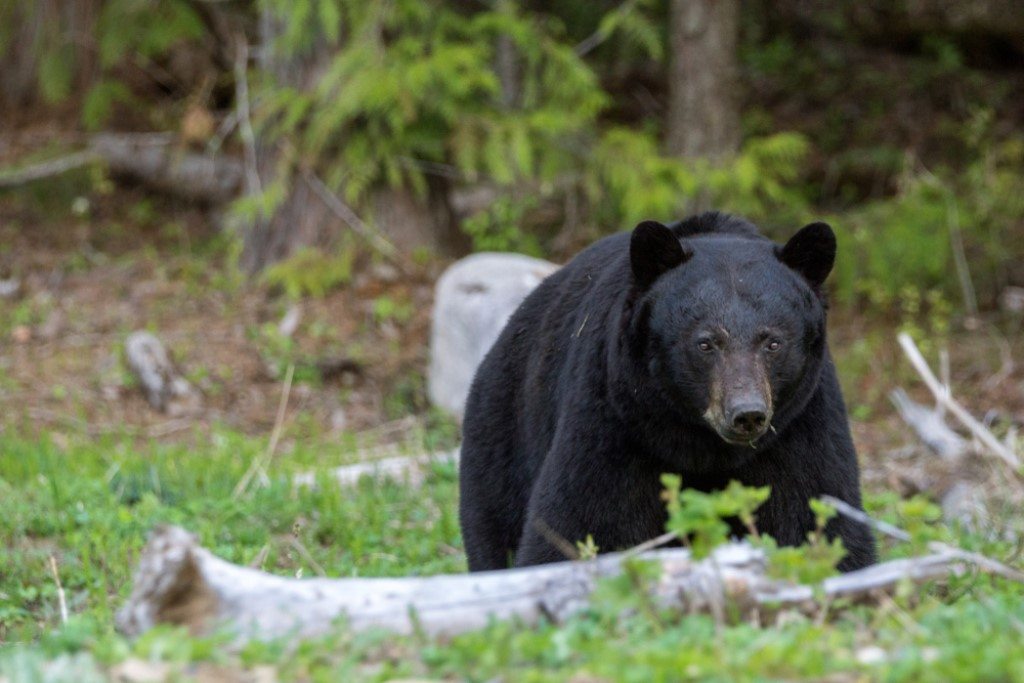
(847, 510)
(47, 169)
(61, 600)
(984, 435)
(346, 214)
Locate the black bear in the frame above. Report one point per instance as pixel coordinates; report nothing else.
(697, 349)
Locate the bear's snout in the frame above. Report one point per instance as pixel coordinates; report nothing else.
(748, 420)
(740, 398)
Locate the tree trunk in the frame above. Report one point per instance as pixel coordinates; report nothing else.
(62, 27)
(703, 114)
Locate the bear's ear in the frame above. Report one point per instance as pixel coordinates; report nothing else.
(653, 250)
(811, 252)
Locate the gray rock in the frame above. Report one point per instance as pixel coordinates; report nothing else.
(165, 389)
(9, 288)
(473, 300)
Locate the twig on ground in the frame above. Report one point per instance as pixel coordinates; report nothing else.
(260, 463)
(153, 158)
(990, 565)
(987, 563)
(847, 510)
(47, 169)
(556, 539)
(259, 558)
(655, 542)
(223, 131)
(307, 556)
(61, 601)
(963, 271)
(929, 426)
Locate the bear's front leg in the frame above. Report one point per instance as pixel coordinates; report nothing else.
(609, 496)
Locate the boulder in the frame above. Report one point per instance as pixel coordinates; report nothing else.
(473, 300)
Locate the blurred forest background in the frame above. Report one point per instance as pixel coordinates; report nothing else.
(296, 145)
(272, 187)
(344, 151)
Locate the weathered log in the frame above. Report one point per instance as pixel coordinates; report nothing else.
(410, 468)
(178, 582)
(930, 427)
(154, 159)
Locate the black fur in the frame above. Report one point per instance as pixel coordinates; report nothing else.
(596, 387)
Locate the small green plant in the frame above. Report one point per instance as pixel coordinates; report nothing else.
(811, 562)
(388, 309)
(629, 592)
(311, 272)
(499, 227)
(278, 351)
(921, 518)
(587, 549)
(700, 518)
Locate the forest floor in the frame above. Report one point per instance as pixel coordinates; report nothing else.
(128, 262)
(87, 467)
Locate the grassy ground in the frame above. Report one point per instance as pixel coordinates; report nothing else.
(89, 505)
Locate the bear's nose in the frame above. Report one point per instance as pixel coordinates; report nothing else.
(749, 419)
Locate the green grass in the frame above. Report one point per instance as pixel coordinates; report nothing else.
(90, 504)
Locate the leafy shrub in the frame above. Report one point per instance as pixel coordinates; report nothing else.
(702, 520)
(906, 244)
(630, 179)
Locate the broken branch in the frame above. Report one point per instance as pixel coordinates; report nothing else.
(943, 397)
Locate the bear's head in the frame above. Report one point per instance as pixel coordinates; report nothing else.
(729, 325)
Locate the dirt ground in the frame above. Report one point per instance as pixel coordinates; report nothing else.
(91, 268)
(84, 282)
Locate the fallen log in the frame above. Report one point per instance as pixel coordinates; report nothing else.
(930, 427)
(157, 160)
(179, 582)
(410, 468)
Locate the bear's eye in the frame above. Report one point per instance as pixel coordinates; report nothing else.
(705, 346)
(773, 346)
